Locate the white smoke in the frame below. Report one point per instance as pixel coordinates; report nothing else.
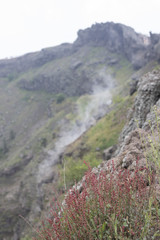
(95, 108)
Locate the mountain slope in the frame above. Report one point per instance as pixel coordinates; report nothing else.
(120, 199)
(49, 99)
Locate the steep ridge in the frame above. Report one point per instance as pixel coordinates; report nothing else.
(117, 38)
(48, 99)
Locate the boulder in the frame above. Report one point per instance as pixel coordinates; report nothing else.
(109, 152)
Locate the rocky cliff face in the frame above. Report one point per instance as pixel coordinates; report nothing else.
(117, 38)
(148, 96)
(142, 129)
(154, 48)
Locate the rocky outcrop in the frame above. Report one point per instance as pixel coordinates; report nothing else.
(16, 167)
(109, 152)
(135, 142)
(12, 67)
(154, 47)
(69, 84)
(133, 85)
(147, 96)
(116, 38)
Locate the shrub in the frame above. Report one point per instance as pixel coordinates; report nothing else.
(75, 169)
(43, 142)
(60, 98)
(11, 77)
(115, 206)
(12, 135)
(5, 147)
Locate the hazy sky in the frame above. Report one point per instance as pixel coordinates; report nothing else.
(30, 25)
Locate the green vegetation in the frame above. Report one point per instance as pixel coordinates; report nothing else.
(90, 146)
(12, 76)
(31, 122)
(44, 142)
(27, 238)
(5, 147)
(117, 204)
(106, 132)
(12, 135)
(73, 171)
(151, 144)
(60, 98)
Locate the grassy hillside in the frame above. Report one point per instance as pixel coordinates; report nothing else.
(27, 117)
(89, 147)
(34, 122)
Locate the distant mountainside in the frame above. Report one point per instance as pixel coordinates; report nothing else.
(49, 99)
(65, 63)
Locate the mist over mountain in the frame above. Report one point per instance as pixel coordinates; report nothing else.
(51, 101)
